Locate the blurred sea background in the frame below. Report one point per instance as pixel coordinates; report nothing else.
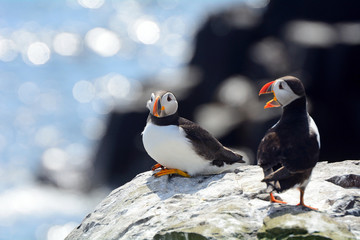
(75, 76)
(64, 66)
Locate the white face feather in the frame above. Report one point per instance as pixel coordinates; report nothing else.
(150, 102)
(283, 93)
(168, 103)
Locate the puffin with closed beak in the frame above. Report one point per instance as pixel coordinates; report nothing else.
(180, 146)
(290, 149)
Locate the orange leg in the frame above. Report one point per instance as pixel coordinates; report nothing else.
(302, 200)
(273, 200)
(166, 171)
(156, 166)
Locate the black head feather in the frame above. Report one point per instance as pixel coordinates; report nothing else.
(295, 84)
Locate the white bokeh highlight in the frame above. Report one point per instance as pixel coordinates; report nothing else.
(147, 31)
(92, 4)
(83, 91)
(38, 53)
(67, 44)
(103, 42)
(8, 51)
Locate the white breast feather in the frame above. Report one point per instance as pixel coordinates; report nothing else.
(314, 129)
(168, 146)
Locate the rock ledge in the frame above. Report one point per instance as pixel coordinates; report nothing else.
(225, 206)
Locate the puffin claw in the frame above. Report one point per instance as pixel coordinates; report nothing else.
(156, 166)
(302, 204)
(163, 172)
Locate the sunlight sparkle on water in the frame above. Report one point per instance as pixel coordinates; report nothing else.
(38, 53)
(147, 31)
(103, 41)
(59, 232)
(47, 136)
(118, 86)
(83, 91)
(93, 4)
(67, 44)
(55, 158)
(7, 50)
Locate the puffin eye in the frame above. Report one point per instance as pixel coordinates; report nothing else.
(169, 98)
(281, 86)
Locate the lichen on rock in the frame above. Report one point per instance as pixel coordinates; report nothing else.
(292, 222)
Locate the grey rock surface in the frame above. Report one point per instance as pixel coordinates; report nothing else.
(225, 206)
(346, 181)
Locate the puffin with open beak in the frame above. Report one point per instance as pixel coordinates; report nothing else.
(180, 146)
(290, 149)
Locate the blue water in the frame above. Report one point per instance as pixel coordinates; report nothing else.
(45, 120)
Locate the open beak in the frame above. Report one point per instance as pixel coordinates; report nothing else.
(157, 107)
(268, 88)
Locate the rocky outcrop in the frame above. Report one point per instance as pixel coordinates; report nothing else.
(346, 181)
(225, 206)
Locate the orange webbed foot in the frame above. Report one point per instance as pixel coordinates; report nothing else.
(274, 200)
(302, 204)
(166, 171)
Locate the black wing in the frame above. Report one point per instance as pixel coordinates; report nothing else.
(269, 154)
(207, 146)
(301, 153)
(286, 160)
(270, 158)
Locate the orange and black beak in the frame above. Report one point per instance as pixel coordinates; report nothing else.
(268, 88)
(157, 107)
